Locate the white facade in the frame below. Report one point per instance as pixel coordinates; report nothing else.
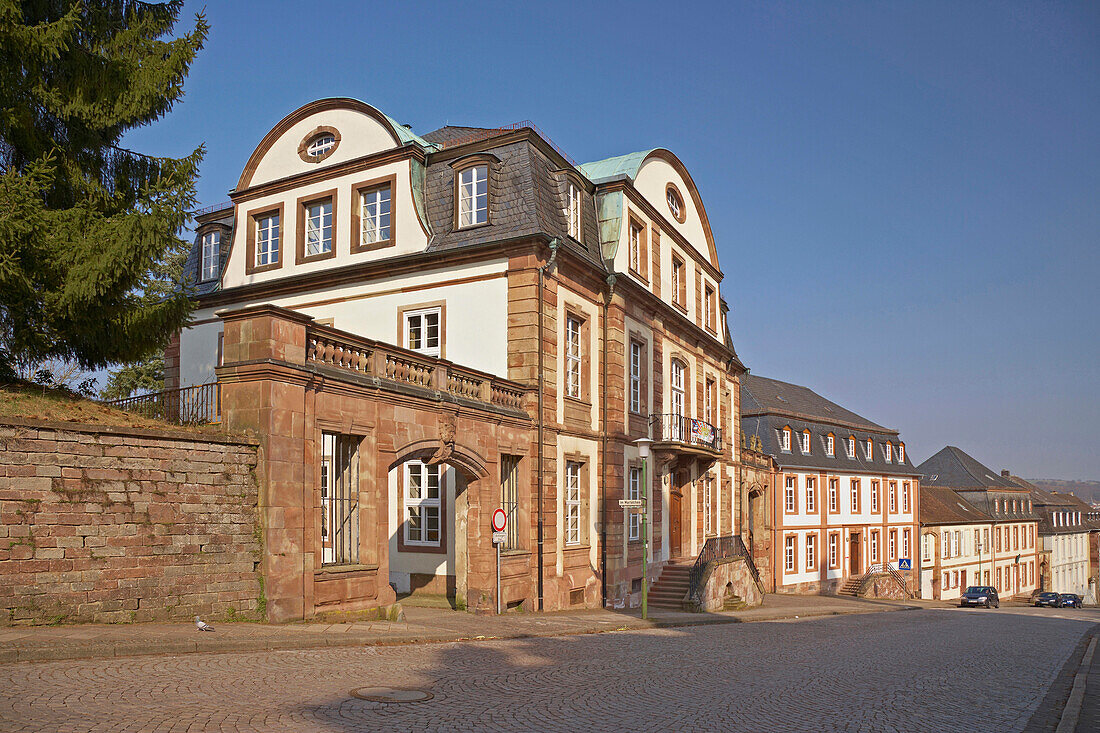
(1069, 562)
(956, 556)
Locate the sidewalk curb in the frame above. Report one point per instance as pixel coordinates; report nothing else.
(114, 650)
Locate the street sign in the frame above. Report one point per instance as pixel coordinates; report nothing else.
(905, 564)
(631, 503)
(500, 520)
(499, 538)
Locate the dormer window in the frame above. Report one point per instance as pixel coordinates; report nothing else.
(473, 196)
(870, 450)
(901, 452)
(785, 439)
(321, 145)
(211, 252)
(830, 445)
(574, 212)
(996, 505)
(851, 447)
(806, 442)
(889, 451)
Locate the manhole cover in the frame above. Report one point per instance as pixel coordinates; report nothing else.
(391, 694)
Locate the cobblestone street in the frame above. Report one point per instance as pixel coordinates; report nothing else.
(926, 670)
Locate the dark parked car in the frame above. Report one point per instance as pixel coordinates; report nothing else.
(1048, 599)
(1069, 600)
(980, 595)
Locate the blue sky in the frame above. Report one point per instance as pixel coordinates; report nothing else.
(905, 196)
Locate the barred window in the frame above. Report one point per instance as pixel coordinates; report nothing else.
(509, 499)
(339, 473)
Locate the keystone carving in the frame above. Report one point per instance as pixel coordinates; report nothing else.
(448, 427)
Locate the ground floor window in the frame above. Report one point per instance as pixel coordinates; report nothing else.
(874, 546)
(834, 550)
(423, 504)
(788, 553)
(339, 477)
(509, 499)
(905, 543)
(811, 551)
(633, 492)
(573, 502)
(708, 506)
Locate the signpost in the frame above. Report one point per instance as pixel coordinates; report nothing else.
(905, 564)
(499, 523)
(643, 453)
(635, 504)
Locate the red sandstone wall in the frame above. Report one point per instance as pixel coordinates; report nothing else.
(99, 524)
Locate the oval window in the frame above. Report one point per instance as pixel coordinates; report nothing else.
(321, 145)
(675, 203)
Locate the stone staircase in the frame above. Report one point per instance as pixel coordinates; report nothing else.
(671, 586)
(851, 586)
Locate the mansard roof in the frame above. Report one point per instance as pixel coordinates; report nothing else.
(943, 506)
(764, 414)
(760, 396)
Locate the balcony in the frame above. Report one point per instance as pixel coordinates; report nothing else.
(682, 434)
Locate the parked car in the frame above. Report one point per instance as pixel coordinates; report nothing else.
(980, 595)
(1069, 600)
(1048, 599)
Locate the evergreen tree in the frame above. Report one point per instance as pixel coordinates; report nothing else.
(89, 231)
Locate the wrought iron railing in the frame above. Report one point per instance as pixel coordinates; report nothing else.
(673, 428)
(886, 569)
(197, 405)
(728, 547)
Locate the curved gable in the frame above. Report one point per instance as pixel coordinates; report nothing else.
(661, 167)
(360, 128)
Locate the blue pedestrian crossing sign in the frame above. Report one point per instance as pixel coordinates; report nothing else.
(905, 564)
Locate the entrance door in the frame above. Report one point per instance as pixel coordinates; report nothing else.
(675, 511)
(856, 560)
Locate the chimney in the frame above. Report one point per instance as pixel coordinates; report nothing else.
(1005, 472)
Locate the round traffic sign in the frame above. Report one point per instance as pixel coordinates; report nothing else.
(500, 520)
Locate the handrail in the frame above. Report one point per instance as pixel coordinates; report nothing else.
(716, 549)
(886, 569)
(330, 347)
(199, 404)
(673, 428)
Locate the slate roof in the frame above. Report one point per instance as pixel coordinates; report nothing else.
(955, 469)
(192, 265)
(764, 415)
(943, 506)
(760, 395)
(449, 134)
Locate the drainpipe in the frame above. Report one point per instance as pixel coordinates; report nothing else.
(603, 447)
(538, 483)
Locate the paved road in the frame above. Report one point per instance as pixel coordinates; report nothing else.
(917, 670)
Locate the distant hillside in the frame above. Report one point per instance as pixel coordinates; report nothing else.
(1086, 490)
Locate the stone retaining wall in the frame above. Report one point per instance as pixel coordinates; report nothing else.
(105, 524)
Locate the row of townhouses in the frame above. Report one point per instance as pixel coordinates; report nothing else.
(422, 329)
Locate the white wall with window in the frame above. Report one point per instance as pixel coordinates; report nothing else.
(573, 306)
(577, 478)
(421, 511)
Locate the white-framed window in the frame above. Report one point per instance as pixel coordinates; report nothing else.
(926, 547)
(905, 497)
(673, 202)
(893, 497)
(211, 252)
(423, 504)
(708, 307)
(811, 551)
(874, 546)
(785, 439)
(319, 228)
(509, 499)
(423, 331)
(574, 212)
(830, 445)
(788, 494)
(901, 452)
(637, 355)
(678, 290)
(573, 357)
(893, 543)
(789, 547)
(946, 580)
(634, 491)
(834, 500)
(473, 196)
(677, 386)
(889, 451)
(572, 503)
(956, 548)
(635, 236)
(708, 504)
(321, 145)
(851, 447)
(374, 215)
(708, 402)
(834, 549)
(267, 240)
(811, 495)
(874, 496)
(946, 543)
(856, 488)
(905, 538)
(870, 449)
(806, 442)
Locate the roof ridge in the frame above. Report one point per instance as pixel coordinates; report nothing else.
(954, 452)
